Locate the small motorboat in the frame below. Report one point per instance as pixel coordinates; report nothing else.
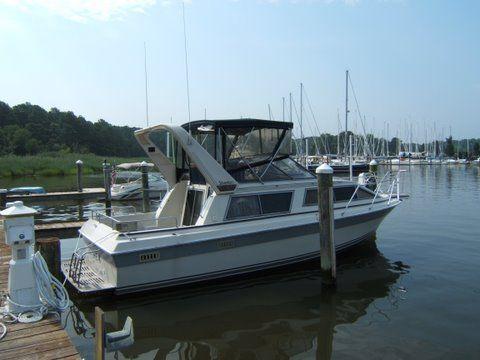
(127, 182)
(26, 190)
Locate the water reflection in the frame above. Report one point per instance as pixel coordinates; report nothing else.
(274, 316)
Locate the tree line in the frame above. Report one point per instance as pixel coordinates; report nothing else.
(28, 129)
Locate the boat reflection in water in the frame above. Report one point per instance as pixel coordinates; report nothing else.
(276, 315)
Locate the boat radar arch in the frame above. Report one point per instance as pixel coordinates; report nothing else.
(215, 175)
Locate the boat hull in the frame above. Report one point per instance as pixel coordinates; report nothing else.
(224, 256)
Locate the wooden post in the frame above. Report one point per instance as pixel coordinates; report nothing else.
(145, 187)
(373, 166)
(107, 179)
(50, 250)
(3, 198)
(99, 334)
(79, 164)
(326, 223)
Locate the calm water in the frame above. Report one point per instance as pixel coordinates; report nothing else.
(412, 292)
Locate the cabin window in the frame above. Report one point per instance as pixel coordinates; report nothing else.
(255, 205)
(275, 203)
(243, 206)
(310, 197)
(344, 193)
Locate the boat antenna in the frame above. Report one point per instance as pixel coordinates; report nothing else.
(186, 67)
(146, 83)
(346, 113)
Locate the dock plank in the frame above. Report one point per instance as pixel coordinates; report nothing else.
(87, 193)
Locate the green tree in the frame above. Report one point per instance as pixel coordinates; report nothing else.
(476, 148)
(449, 148)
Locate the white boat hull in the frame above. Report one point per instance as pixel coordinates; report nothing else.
(268, 244)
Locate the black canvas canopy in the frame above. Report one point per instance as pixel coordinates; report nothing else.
(212, 125)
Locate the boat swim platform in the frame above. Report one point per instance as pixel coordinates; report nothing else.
(86, 194)
(45, 339)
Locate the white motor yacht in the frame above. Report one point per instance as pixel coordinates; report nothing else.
(238, 203)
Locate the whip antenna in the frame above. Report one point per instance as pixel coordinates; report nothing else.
(186, 67)
(146, 84)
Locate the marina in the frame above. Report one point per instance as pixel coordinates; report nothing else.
(245, 180)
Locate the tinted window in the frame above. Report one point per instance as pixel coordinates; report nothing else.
(275, 203)
(292, 169)
(310, 197)
(193, 206)
(343, 193)
(243, 206)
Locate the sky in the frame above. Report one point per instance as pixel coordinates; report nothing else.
(413, 63)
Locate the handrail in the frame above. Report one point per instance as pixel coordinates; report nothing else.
(393, 183)
(377, 190)
(351, 199)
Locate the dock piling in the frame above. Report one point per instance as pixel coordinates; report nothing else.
(79, 164)
(107, 179)
(145, 187)
(49, 248)
(3, 198)
(99, 334)
(373, 166)
(326, 224)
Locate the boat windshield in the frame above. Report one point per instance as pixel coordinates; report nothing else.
(250, 149)
(254, 145)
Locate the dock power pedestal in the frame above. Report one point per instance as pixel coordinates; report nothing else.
(19, 230)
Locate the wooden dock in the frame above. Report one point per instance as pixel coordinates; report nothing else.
(61, 230)
(45, 339)
(86, 194)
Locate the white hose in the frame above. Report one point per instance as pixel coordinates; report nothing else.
(4, 330)
(53, 298)
(52, 293)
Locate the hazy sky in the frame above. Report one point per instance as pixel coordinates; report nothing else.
(414, 61)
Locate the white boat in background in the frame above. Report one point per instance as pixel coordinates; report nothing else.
(127, 182)
(238, 203)
(450, 161)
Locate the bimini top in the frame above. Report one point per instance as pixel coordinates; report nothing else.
(212, 125)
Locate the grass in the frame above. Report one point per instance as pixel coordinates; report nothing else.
(55, 164)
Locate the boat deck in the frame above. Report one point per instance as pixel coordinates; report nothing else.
(46, 339)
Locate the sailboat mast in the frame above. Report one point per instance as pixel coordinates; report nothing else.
(291, 118)
(338, 133)
(301, 113)
(346, 110)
